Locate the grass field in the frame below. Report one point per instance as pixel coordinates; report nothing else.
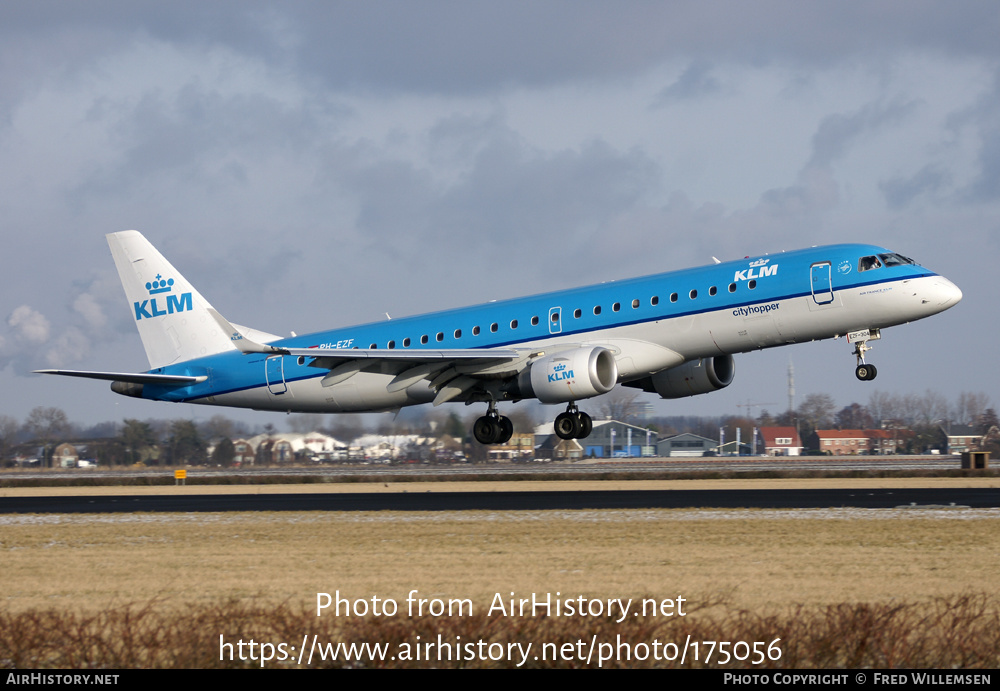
(783, 567)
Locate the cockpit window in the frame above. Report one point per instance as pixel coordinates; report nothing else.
(893, 259)
(869, 263)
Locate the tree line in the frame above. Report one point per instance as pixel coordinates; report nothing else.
(187, 442)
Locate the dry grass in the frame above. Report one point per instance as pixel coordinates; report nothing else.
(762, 558)
(840, 587)
(959, 632)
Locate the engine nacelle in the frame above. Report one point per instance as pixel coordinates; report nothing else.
(570, 376)
(691, 378)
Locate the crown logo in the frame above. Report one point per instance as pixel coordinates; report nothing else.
(160, 285)
(559, 368)
(760, 262)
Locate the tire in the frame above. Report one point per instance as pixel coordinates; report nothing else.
(567, 426)
(485, 430)
(586, 425)
(862, 373)
(505, 428)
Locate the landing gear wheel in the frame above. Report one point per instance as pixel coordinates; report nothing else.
(865, 372)
(486, 429)
(586, 425)
(505, 429)
(567, 425)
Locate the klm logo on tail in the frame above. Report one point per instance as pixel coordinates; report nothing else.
(147, 309)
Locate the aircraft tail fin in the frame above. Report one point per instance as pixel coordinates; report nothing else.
(175, 322)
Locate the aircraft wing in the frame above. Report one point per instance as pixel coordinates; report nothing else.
(403, 356)
(451, 371)
(131, 377)
(246, 345)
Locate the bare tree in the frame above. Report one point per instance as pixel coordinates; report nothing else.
(817, 410)
(854, 416)
(969, 407)
(303, 423)
(218, 426)
(8, 436)
(620, 404)
(47, 425)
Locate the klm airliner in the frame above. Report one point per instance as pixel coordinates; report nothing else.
(673, 334)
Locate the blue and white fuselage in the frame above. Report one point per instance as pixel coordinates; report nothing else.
(672, 333)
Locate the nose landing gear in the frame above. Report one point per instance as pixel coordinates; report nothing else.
(864, 371)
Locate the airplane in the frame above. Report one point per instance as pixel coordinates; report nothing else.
(673, 334)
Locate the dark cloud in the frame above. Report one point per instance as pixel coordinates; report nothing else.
(695, 82)
(310, 165)
(985, 116)
(929, 180)
(461, 46)
(838, 132)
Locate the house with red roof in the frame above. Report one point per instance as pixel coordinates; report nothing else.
(781, 441)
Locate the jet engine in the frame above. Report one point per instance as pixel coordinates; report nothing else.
(570, 375)
(691, 378)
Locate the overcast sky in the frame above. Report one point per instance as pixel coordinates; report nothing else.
(311, 165)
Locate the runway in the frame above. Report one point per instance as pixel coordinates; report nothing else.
(965, 497)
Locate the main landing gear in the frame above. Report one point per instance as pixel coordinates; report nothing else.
(493, 428)
(573, 424)
(864, 371)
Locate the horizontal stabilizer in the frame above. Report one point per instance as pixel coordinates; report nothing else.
(239, 338)
(131, 377)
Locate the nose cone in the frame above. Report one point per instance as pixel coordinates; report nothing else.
(946, 293)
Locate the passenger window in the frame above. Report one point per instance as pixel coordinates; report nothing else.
(440, 336)
(693, 294)
(458, 333)
(513, 323)
(392, 344)
(635, 304)
(534, 321)
(373, 346)
(423, 339)
(494, 327)
(732, 287)
(654, 301)
(475, 330)
(576, 314)
(616, 307)
(673, 297)
(713, 290)
(751, 284)
(597, 309)
(406, 342)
